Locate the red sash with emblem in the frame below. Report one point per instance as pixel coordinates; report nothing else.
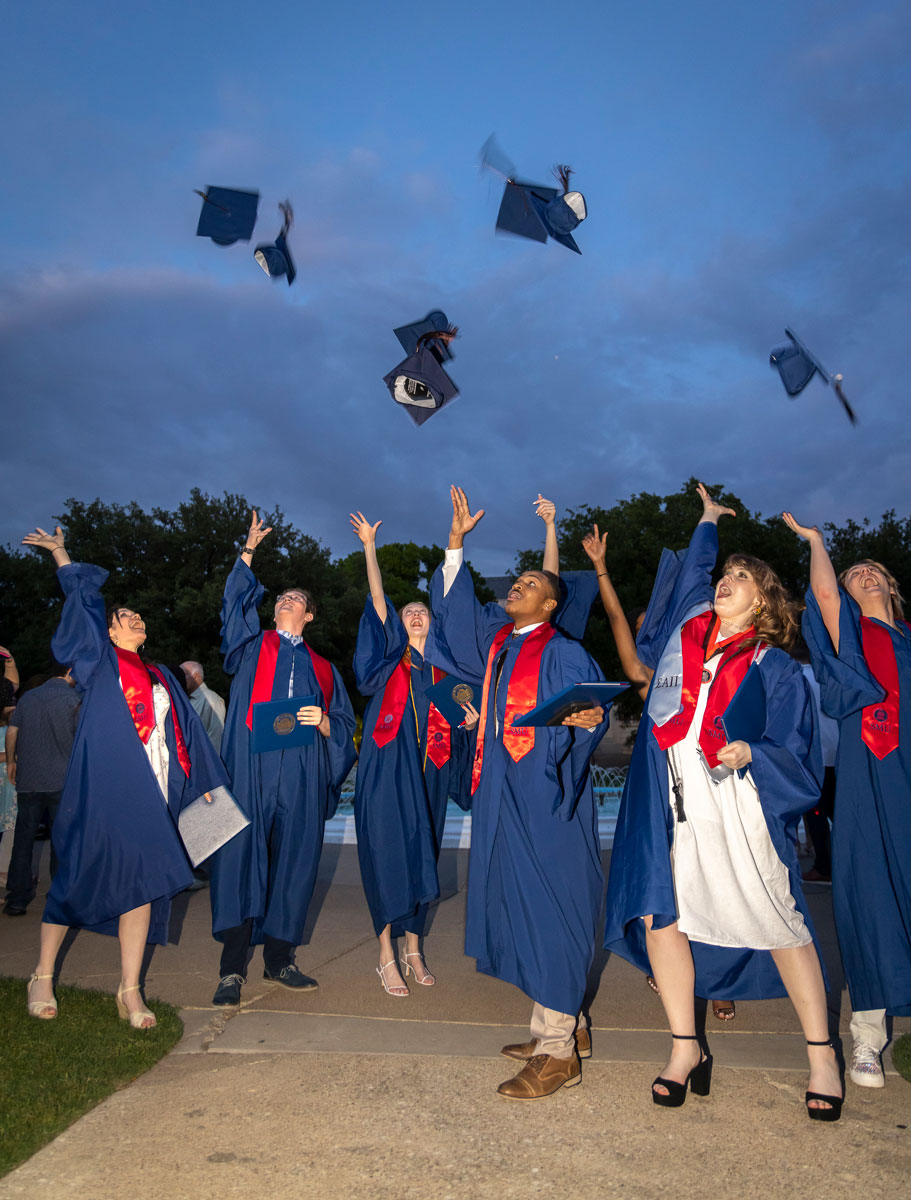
(392, 709)
(136, 681)
(698, 638)
(521, 695)
(264, 679)
(879, 723)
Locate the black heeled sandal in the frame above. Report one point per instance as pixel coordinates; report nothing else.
(824, 1114)
(699, 1079)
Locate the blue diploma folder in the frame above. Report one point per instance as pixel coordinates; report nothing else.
(450, 694)
(744, 718)
(571, 700)
(276, 727)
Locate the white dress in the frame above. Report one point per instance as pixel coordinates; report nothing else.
(732, 888)
(156, 747)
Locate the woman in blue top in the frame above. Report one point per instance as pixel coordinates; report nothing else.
(860, 647)
(140, 756)
(410, 763)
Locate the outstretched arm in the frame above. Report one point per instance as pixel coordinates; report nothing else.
(547, 511)
(640, 676)
(255, 535)
(823, 581)
(366, 534)
(463, 520)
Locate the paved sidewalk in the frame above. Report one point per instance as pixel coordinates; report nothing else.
(349, 1092)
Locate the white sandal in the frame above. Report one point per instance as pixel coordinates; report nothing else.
(135, 1018)
(36, 1007)
(397, 990)
(426, 980)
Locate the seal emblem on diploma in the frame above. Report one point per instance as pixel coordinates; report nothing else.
(284, 723)
(462, 693)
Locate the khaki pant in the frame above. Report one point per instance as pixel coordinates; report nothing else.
(554, 1032)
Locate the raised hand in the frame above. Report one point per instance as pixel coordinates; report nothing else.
(546, 509)
(803, 531)
(711, 509)
(463, 520)
(256, 533)
(43, 540)
(595, 546)
(366, 533)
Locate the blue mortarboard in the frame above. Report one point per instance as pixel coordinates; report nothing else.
(434, 322)
(419, 382)
(797, 365)
(532, 210)
(275, 257)
(227, 216)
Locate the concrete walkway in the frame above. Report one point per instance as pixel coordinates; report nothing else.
(349, 1092)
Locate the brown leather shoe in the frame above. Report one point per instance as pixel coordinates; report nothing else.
(523, 1051)
(541, 1076)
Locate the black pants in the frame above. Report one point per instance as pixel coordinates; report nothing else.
(20, 885)
(236, 951)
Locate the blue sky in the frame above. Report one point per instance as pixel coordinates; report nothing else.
(745, 167)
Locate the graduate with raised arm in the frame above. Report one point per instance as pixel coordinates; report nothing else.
(704, 891)
(534, 885)
(860, 649)
(640, 676)
(263, 880)
(411, 762)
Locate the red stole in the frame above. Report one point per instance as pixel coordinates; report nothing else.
(392, 709)
(136, 681)
(879, 724)
(521, 695)
(698, 638)
(264, 679)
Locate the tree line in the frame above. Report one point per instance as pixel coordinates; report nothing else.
(171, 567)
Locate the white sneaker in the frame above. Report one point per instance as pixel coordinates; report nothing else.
(866, 1068)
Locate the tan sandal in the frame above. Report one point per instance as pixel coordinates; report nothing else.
(426, 980)
(136, 1018)
(44, 1010)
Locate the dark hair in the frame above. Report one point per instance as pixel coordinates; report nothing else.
(553, 584)
(778, 621)
(308, 599)
(56, 669)
(633, 616)
(111, 612)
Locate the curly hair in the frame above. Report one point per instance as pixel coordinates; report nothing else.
(898, 613)
(778, 621)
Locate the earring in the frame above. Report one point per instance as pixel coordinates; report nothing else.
(757, 610)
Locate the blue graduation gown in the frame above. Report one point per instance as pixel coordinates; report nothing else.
(400, 798)
(116, 839)
(534, 877)
(786, 768)
(268, 870)
(871, 828)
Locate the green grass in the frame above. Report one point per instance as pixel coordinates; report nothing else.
(901, 1056)
(51, 1072)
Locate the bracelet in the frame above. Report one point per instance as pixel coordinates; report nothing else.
(602, 574)
(248, 549)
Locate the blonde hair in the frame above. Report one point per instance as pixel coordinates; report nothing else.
(778, 621)
(896, 597)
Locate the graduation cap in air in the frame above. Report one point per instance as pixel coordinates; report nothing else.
(533, 210)
(434, 322)
(275, 257)
(419, 382)
(797, 366)
(227, 216)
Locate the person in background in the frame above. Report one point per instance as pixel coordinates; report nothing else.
(7, 789)
(816, 820)
(860, 648)
(38, 744)
(209, 706)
